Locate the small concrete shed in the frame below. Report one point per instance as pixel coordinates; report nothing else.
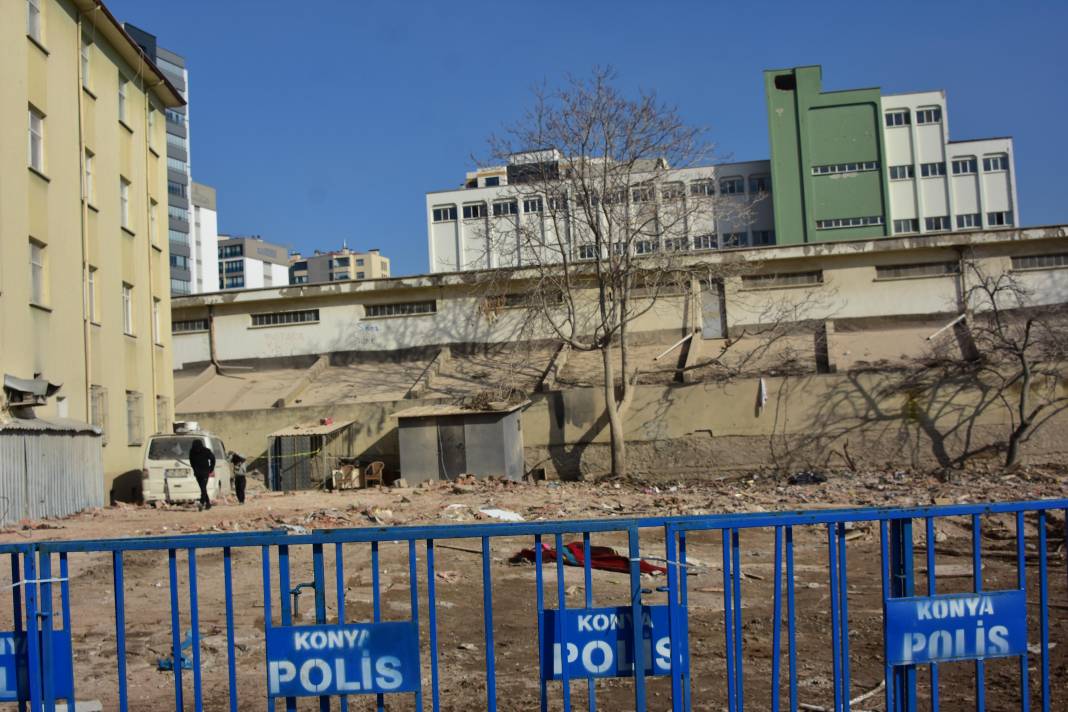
(442, 442)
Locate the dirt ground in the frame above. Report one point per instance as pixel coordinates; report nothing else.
(458, 582)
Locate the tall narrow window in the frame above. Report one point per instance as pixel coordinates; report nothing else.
(36, 158)
(124, 202)
(98, 410)
(153, 222)
(34, 25)
(122, 98)
(127, 309)
(90, 193)
(135, 427)
(151, 127)
(92, 295)
(155, 321)
(86, 65)
(38, 288)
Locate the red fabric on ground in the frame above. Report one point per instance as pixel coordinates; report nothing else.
(601, 557)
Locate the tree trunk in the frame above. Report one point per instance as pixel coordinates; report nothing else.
(1012, 452)
(615, 418)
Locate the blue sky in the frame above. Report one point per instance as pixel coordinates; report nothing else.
(329, 126)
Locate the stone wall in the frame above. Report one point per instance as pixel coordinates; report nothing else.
(876, 419)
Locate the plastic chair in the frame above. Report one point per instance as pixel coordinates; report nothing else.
(372, 474)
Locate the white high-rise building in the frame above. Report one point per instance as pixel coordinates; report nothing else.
(204, 260)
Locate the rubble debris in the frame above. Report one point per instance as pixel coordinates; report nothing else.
(603, 558)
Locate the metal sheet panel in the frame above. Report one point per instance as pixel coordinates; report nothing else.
(49, 474)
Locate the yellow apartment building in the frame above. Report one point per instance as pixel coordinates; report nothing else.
(84, 280)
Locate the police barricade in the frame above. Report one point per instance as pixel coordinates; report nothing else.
(951, 633)
(373, 631)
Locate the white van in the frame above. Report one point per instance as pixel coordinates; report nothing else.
(167, 475)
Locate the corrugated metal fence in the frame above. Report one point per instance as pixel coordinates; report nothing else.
(49, 469)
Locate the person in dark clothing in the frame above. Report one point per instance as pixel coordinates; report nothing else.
(203, 461)
(238, 463)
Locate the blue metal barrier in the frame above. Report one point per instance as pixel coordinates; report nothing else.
(644, 632)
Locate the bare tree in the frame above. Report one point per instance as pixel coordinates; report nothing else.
(606, 197)
(1023, 350)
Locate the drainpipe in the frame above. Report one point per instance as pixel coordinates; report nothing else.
(87, 326)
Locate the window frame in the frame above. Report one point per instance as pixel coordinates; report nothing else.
(390, 310)
(124, 204)
(157, 333)
(907, 168)
(732, 181)
(90, 185)
(38, 274)
(98, 410)
(135, 419)
(123, 99)
(929, 115)
(291, 317)
(36, 136)
(897, 113)
(35, 21)
(1002, 163)
(946, 226)
(914, 223)
(703, 187)
(976, 220)
(1056, 260)
(917, 270)
(1000, 218)
(475, 211)
(782, 280)
(92, 305)
(499, 208)
(85, 57)
(963, 163)
(934, 169)
(127, 309)
(533, 205)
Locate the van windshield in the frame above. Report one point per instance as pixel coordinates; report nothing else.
(170, 448)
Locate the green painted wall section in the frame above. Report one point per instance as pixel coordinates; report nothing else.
(808, 127)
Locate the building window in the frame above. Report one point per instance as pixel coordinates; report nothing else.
(763, 237)
(964, 166)
(642, 194)
(928, 116)
(734, 239)
(786, 279)
(135, 419)
(676, 244)
(919, 269)
(703, 187)
(123, 89)
(341, 262)
(34, 22)
(90, 191)
(177, 213)
(233, 266)
(474, 210)
(181, 286)
(999, 218)
(672, 191)
(969, 220)
(999, 162)
(933, 170)
(37, 157)
(902, 172)
(176, 165)
(156, 333)
(86, 54)
(339, 276)
(835, 223)
(176, 188)
(153, 221)
(359, 262)
(731, 186)
(646, 247)
(587, 252)
(906, 225)
(233, 283)
(400, 309)
(938, 223)
(163, 414)
(38, 275)
(361, 275)
(1040, 261)
(492, 181)
(124, 202)
(445, 213)
(184, 326)
(900, 117)
(558, 203)
(532, 205)
(705, 242)
(509, 207)
(181, 261)
(304, 316)
(237, 250)
(759, 184)
(93, 317)
(151, 126)
(98, 410)
(845, 168)
(127, 309)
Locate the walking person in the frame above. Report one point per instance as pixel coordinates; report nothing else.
(238, 463)
(203, 461)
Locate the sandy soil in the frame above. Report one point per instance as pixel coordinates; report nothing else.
(459, 587)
